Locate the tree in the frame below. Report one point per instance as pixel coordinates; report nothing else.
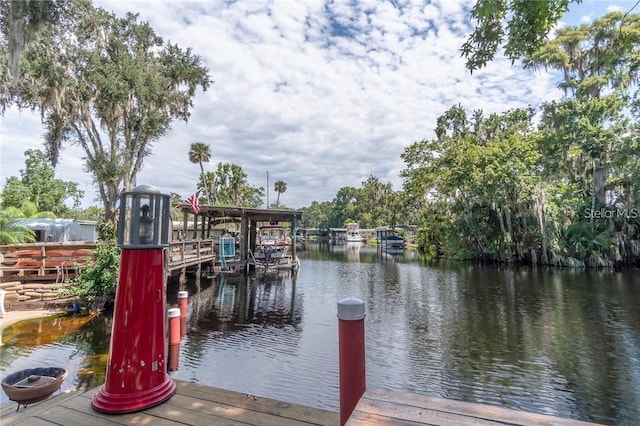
(374, 203)
(344, 207)
(523, 24)
(21, 21)
(39, 186)
(589, 140)
(317, 215)
(232, 186)
(110, 85)
(474, 183)
(201, 153)
(280, 186)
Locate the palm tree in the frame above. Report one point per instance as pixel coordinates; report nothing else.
(10, 231)
(280, 186)
(201, 153)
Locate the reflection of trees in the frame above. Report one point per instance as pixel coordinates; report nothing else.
(88, 336)
(272, 300)
(92, 341)
(502, 335)
(21, 338)
(233, 303)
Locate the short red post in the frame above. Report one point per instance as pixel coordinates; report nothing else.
(173, 357)
(173, 315)
(183, 297)
(351, 315)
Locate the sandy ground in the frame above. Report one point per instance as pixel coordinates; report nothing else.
(11, 317)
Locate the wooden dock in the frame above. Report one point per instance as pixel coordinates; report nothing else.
(385, 407)
(192, 404)
(195, 404)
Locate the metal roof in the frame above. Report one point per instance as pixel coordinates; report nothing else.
(258, 215)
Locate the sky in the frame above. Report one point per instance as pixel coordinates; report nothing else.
(318, 94)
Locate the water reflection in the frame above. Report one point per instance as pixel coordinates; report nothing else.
(77, 343)
(234, 302)
(549, 341)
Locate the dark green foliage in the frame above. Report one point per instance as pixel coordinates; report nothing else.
(98, 277)
(231, 186)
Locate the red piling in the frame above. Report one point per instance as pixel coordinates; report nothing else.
(351, 313)
(183, 297)
(173, 315)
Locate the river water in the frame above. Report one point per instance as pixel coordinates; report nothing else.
(550, 341)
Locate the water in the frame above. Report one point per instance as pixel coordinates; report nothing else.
(557, 342)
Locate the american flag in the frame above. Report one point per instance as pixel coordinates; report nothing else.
(194, 202)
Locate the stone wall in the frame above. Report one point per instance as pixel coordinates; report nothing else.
(16, 291)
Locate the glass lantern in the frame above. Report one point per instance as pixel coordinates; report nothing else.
(143, 221)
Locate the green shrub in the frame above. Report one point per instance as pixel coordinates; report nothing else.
(98, 277)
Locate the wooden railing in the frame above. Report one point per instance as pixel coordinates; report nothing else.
(191, 252)
(50, 261)
(57, 261)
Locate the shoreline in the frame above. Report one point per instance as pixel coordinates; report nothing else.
(12, 317)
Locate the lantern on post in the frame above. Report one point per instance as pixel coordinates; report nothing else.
(137, 376)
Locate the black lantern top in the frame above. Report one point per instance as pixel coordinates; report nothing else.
(144, 218)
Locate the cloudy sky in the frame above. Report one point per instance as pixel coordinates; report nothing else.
(320, 94)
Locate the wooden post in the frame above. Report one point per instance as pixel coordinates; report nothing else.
(351, 315)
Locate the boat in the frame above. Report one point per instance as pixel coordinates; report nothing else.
(272, 250)
(393, 242)
(353, 233)
(33, 384)
(273, 235)
(272, 258)
(390, 241)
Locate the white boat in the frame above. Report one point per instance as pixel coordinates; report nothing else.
(353, 233)
(272, 250)
(273, 235)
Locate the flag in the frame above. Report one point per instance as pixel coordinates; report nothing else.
(194, 202)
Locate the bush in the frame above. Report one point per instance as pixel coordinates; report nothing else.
(98, 277)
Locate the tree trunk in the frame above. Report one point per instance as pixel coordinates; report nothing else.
(539, 205)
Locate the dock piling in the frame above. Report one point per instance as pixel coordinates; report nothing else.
(351, 313)
(183, 297)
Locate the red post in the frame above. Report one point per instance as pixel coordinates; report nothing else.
(183, 297)
(351, 315)
(173, 315)
(174, 357)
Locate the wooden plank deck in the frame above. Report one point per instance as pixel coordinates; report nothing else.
(385, 407)
(192, 404)
(195, 404)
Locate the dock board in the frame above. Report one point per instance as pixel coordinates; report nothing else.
(192, 404)
(385, 407)
(195, 404)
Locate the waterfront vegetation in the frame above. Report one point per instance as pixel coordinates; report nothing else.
(546, 340)
(554, 184)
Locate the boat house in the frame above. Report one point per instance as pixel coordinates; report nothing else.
(213, 224)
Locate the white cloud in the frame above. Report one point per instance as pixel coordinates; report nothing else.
(320, 95)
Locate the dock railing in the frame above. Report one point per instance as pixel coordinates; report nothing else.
(191, 252)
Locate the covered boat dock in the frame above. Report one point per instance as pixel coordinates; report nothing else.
(241, 223)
